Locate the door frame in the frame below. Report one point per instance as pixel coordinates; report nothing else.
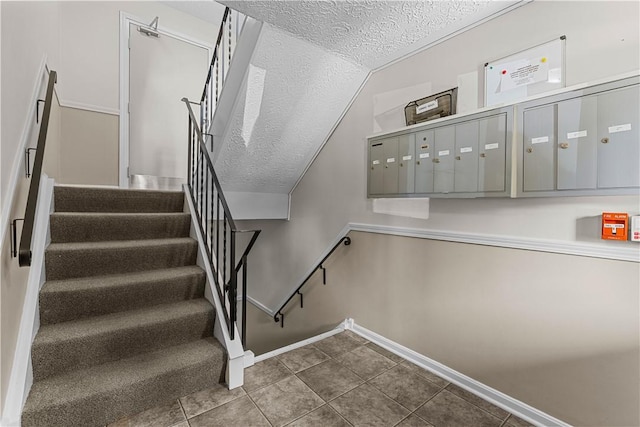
(127, 19)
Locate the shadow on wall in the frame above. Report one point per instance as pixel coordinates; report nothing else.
(588, 229)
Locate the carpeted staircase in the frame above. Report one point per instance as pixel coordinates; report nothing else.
(124, 324)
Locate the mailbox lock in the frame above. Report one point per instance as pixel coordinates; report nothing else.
(401, 164)
(418, 162)
(424, 138)
(457, 157)
(483, 155)
(605, 140)
(564, 145)
(372, 168)
(529, 150)
(386, 166)
(436, 160)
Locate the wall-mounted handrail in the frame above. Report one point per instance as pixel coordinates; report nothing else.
(24, 253)
(279, 316)
(217, 227)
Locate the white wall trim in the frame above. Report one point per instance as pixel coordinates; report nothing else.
(21, 376)
(508, 403)
(631, 254)
(65, 103)
(18, 161)
(341, 327)
(125, 20)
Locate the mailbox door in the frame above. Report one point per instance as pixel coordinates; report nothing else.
(492, 138)
(406, 168)
(376, 166)
(539, 149)
(619, 138)
(577, 145)
(444, 142)
(466, 158)
(390, 171)
(423, 161)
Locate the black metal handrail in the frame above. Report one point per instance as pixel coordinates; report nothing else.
(217, 227)
(24, 253)
(209, 98)
(279, 316)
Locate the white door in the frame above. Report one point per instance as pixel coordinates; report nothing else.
(162, 70)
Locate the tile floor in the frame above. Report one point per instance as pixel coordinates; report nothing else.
(343, 380)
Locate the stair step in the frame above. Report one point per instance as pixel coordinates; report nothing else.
(65, 346)
(102, 394)
(94, 227)
(82, 199)
(72, 299)
(70, 260)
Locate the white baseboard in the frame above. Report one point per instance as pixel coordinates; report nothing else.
(21, 376)
(514, 406)
(341, 327)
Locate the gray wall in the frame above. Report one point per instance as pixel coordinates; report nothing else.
(552, 355)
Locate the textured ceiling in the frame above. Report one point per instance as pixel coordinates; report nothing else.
(295, 93)
(371, 33)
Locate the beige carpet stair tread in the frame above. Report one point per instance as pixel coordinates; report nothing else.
(101, 394)
(111, 281)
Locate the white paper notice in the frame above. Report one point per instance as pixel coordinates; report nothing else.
(443, 153)
(426, 107)
(391, 160)
(491, 146)
(523, 72)
(620, 128)
(578, 134)
(466, 149)
(406, 157)
(376, 162)
(540, 140)
(424, 155)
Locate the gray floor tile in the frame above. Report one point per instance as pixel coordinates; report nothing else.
(362, 340)
(405, 387)
(324, 416)
(330, 379)
(386, 353)
(365, 362)
(286, 400)
(426, 374)
(337, 344)
(160, 416)
(241, 412)
(366, 405)
(302, 358)
(478, 401)
(205, 400)
(514, 421)
(413, 421)
(182, 424)
(447, 409)
(264, 373)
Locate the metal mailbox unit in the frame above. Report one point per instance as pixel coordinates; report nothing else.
(454, 157)
(582, 142)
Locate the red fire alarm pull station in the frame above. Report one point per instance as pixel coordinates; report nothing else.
(615, 225)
